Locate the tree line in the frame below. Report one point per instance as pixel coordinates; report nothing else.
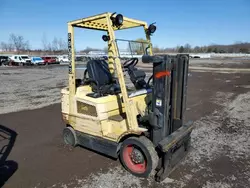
(16, 42)
(239, 47)
(140, 46)
(19, 44)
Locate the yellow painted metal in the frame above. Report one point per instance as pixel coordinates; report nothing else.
(99, 22)
(72, 88)
(112, 48)
(148, 40)
(98, 17)
(107, 106)
(129, 104)
(92, 26)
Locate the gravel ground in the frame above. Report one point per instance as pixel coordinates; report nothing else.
(31, 88)
(230, 62)
(219, 157)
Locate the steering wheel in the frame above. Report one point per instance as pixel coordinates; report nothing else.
(130, 62)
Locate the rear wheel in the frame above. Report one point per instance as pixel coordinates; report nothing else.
(69, 136)
(138, 156)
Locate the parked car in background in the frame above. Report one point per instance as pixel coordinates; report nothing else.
(21, 59)
(49, 60)
(4, 60)
(37, 61)
(77, 58)
(63, 59)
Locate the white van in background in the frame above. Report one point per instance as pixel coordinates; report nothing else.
(63, 58)
(21, 59)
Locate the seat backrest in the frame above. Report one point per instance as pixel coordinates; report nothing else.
(98, 70)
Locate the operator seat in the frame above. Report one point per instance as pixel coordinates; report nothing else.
(100, 79)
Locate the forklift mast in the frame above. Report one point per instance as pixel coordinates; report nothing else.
(169, 94)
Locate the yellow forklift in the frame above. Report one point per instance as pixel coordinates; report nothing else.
(143, 127)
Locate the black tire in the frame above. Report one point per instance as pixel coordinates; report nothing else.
(69, 136)
(187, 143)
(146, 149)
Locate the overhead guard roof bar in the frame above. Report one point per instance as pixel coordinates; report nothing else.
(99, 22)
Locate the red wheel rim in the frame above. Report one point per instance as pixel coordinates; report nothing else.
(136, 168)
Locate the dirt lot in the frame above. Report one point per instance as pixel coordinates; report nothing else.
(220, 155)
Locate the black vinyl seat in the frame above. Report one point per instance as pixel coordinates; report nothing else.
(100, 79)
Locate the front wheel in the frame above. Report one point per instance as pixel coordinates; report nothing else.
(138, 156)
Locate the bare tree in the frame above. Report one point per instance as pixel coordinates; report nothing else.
(62, 45)
(10, 47)
(45, 42)
(27, 45)
(49, 47)
(4, 46)
(18, 42)
(54, 44)
(181, 49)
(187, 48)
(197, 49)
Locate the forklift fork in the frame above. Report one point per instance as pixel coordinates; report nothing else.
(173, 150)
